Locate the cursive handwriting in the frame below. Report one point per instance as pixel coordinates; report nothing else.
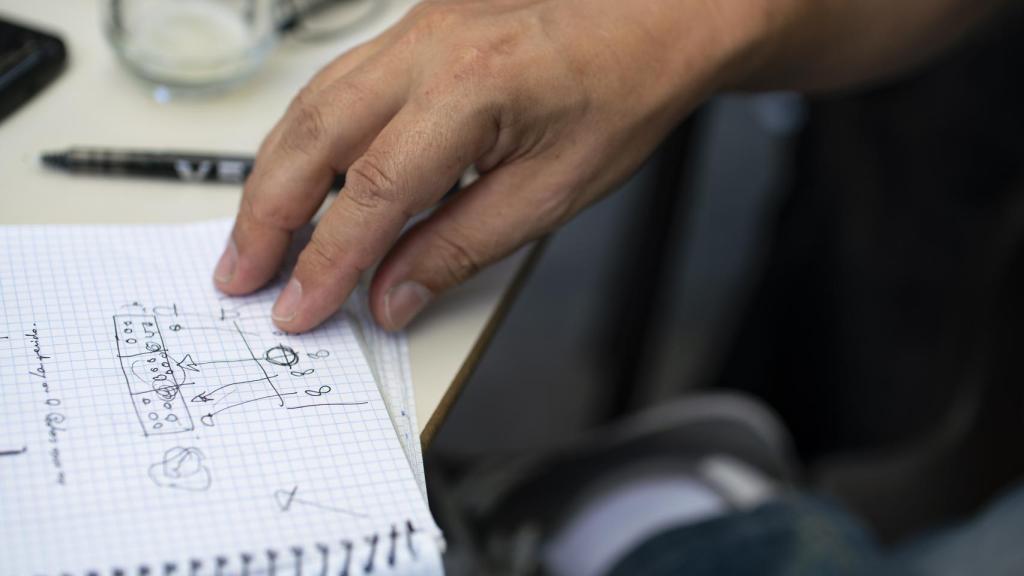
(55, 426)
(54, 420)
(37, 349)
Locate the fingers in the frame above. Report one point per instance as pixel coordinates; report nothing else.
(481, 225)
(320, 135)
(410, 165)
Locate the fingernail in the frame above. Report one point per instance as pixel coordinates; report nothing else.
(225, 269)
(403, 302)
(287, 305)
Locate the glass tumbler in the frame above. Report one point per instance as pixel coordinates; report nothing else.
(185, 46)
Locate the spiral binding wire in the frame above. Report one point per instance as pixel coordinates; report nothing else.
(358, 557)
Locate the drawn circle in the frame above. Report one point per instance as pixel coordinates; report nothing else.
(166, 393)
(153, 416)
(282, 355)
(146, 401)
(167, 405)
(158, 425)
(171, 418)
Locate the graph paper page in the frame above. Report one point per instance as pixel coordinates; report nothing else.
(149, 420)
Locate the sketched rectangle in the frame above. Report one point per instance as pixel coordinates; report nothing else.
(148, 371)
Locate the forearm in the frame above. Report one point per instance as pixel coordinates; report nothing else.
(817, 45)
(555, 102)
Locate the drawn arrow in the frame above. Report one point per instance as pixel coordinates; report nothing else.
(205, 396)
(202, 397)
(207, 418)
(187, 363)
(284, 498)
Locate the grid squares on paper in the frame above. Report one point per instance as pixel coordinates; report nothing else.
(388, 356)
(290, 442)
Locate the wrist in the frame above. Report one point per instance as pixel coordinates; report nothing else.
(753, 34)
(708, 46)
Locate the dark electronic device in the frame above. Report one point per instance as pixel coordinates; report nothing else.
(29, 60)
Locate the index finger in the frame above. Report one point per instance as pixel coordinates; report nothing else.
(322, 132)
(410, 165)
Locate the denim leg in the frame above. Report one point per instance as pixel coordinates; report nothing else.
(794, 536)
(990, 544)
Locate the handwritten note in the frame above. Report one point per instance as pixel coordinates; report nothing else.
(149, 419)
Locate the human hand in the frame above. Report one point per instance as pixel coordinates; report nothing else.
(553, 101)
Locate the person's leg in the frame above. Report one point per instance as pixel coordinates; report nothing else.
(991, 543)
(792, 535)
(620, 511)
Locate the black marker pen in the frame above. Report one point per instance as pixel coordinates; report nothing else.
(171, 165)
(168, 165)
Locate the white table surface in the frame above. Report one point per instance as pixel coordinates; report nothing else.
(97, 102)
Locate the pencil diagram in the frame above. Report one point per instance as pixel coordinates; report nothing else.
(175, 386)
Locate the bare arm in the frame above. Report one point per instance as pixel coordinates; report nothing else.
(827, 44)
(555, 102)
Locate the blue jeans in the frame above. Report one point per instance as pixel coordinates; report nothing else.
(803, 535)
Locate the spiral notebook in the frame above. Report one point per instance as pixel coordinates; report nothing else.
(388, 356)
(151, 425)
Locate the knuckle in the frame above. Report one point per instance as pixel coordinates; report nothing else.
(266, 213)
(430, 21)
(507, 41)
(369, 185)
(306, 128)
(473, 61)
(458, 260)
(351, 91)
(488, 71)
(555, 207)
(496, 57)
(322, 252)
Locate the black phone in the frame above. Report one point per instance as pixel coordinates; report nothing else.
(29, 60)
